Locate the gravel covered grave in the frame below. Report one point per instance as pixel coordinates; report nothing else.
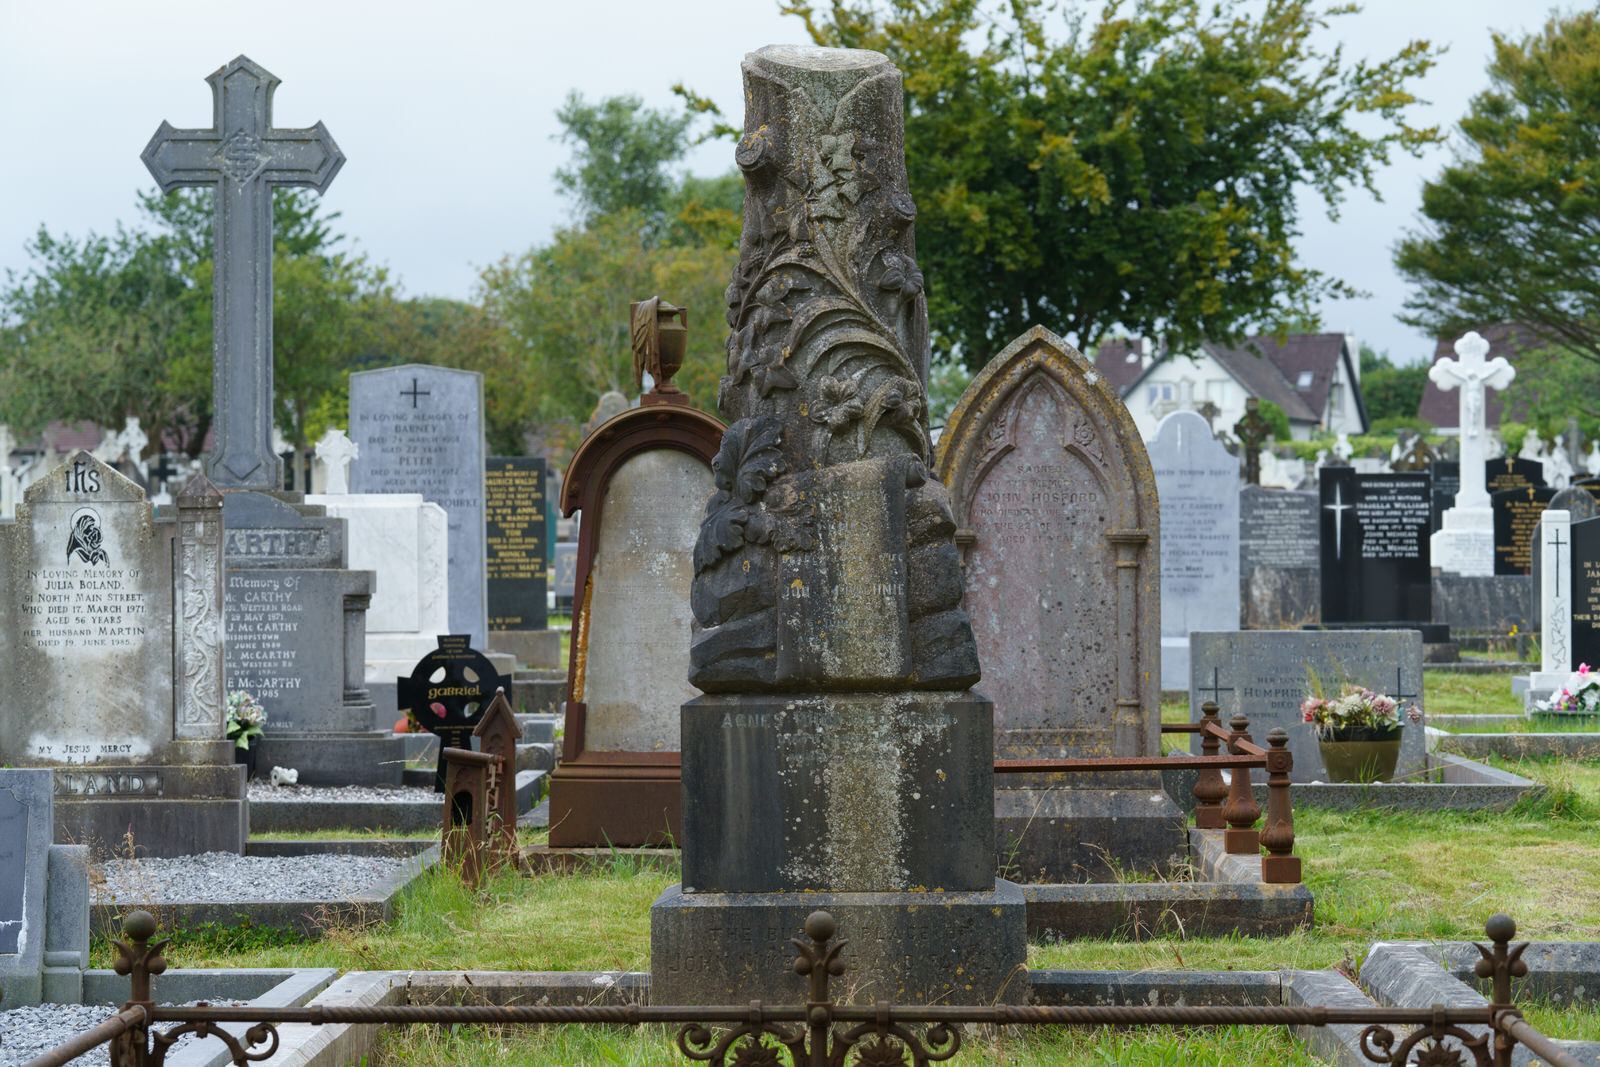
(29, 1032)
(334, 794)
(227, 878)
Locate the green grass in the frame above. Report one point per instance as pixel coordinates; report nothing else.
(1449, 693)
(1375, 875)
(493, 1046)
(1540, 724)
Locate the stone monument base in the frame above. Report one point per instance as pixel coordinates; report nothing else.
(1464, 544)
(533, 649)
(633, 804)
(161, 809)
(828, 790)
(909, 948)
(1055, 833)
(357, 758)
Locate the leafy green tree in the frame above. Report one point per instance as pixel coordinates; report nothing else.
(564, 309)
(1510, 232)
(621, 151)
(107, 327)
(1552, 384)
(1138, 172)
(1391, 393)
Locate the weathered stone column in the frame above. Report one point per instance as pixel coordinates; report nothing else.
(839, 759)
(198, 688)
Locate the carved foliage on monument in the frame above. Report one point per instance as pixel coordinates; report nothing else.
(199, 584)
(827, 558)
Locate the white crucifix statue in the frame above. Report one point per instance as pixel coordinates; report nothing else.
(335, 450)
(1465, 543)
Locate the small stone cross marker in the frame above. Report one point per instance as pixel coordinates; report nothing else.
(242, 156)
(336, 451)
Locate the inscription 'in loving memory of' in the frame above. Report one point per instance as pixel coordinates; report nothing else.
(68, 609)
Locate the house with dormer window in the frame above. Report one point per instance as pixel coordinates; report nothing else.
(1315, 378)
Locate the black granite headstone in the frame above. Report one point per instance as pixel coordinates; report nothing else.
(1516, 513)
(1374, 537)
(564, 574)
(516, 524)
(1586, 592)
(448, 692)
(1446, 484)
(1512, 472)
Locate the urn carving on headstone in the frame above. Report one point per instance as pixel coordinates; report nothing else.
(838, 758)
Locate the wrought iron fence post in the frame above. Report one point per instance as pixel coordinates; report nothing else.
(1501, 964)
(819, 960)
(138, 959)
(1279, 865)
(1209, 789)
(1241, 811)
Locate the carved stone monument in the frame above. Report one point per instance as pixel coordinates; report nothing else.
(111, 632)
(1055, 504)
(838, 759)
(1464, 543)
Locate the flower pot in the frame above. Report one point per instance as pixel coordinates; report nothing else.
(246, 756)
(1360, 753)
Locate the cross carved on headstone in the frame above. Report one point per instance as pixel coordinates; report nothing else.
(414, 392)
(242, 156)
(1557, 544)
(1216, 688)
(1399, 690)
(1251, 431)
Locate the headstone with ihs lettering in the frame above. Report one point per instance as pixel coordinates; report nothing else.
(297, 642)
(111, 632)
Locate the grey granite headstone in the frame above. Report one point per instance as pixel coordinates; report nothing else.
(26, 830)
(111, 632)
(1197, 482)
(1279, 567)
(1266, 675)
(296, 620)
(420, 430)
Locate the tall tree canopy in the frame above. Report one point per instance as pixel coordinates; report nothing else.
(106, 327)
(1511, 229)
(1138, 172)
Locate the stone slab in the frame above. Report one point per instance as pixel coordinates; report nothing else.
(1197, 482)
(1516, 746)
(535, 649)
(1266, 675)
(27, 829)
(420, 430)
(366, 758)
(950, 948)
(1460, 785)
(1138, 910)
(300, 816)
(1497, 604)
(1339, 1043)
(351, 846)
(1073, 834)
(1559, 972)
(868, 792)
(66, 941)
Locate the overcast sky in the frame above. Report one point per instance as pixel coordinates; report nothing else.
(445, 114)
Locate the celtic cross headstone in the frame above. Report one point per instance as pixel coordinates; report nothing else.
(242, 156)
(1251, 431)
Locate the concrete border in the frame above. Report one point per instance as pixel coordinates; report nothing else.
(306, 917)
(1518, 745)
(302, 816)
(347, 846)
(1467, 786)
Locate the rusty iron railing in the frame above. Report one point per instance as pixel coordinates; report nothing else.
(1219, 805)
(822, 1032)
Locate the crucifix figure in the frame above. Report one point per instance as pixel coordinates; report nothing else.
(242, 156)
(1472, 374)
(1251, 431)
